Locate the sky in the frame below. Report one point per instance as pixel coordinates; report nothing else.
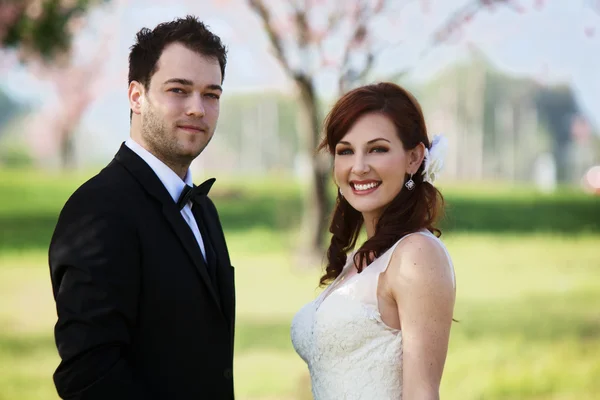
(559, 42)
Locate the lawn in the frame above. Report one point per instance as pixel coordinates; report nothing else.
(527, 265)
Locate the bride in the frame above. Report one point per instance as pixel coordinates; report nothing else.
(380, 329)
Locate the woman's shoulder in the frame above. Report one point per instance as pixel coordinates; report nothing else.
(420, 241)
(421, 255)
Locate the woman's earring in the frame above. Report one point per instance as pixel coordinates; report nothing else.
(410, 184)
(340, 190)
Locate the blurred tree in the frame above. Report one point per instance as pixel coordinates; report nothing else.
(558, 107)
(41, 29)
(515, 120)
(12, 152)
(42, 32)
(309, 36)
(8, 109)
(76, 85)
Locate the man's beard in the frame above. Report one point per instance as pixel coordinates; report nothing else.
(161, 142)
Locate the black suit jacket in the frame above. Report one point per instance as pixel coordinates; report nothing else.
(138, 315)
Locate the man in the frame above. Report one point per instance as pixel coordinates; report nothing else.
(141, 275)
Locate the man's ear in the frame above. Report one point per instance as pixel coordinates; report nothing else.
(136, 96)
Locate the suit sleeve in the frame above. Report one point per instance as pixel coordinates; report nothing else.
(95, 269)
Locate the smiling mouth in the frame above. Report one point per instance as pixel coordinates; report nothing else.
(363, 188)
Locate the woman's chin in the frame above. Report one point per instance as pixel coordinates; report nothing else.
(367, 207)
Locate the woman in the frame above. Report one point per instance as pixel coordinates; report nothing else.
(380, 330)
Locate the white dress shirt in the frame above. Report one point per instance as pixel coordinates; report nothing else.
(173, 184)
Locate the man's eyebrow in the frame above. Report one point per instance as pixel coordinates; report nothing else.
(215, 87)
(187, 82)
(181, 81)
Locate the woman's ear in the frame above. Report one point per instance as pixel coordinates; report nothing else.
(415, 158)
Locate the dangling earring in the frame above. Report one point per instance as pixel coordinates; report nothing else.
(340, 190)
(410, 184)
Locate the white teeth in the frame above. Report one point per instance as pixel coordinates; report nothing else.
(366, 187)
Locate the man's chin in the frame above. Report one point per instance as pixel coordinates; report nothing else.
(191, 153)
(190, 148)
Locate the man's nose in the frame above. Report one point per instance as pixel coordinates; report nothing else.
(195, 106)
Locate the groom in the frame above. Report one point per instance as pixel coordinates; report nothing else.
(140, 271)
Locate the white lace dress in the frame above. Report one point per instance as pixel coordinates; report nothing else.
(351, 353)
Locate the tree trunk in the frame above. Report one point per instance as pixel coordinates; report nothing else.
(67, 151)
(316, 200)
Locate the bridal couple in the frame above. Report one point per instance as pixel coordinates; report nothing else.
(143, 281)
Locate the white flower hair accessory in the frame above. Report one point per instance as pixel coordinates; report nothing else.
(434, 158)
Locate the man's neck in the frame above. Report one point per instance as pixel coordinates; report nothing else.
(180, 169)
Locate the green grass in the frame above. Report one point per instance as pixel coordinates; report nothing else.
(528, 295)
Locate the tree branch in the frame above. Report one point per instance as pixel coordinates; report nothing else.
(458, 18)
(263, 11)
(333, 22)
(359, 35)
(463, 15)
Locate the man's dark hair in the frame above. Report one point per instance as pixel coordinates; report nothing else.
(188, 31)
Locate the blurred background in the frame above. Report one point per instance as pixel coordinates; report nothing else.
(514, 85)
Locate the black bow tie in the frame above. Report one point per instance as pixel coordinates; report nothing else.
(192, 193)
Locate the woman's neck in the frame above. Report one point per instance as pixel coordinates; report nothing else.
(370, 222)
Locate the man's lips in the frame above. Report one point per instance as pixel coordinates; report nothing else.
(192, 128)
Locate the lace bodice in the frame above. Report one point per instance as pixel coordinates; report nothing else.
(351, 353)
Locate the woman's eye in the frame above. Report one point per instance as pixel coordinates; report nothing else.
(379, 150)
(343, 152)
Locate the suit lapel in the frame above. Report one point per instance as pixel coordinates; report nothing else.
(152, 184)
(225, 278)
(187, 238)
